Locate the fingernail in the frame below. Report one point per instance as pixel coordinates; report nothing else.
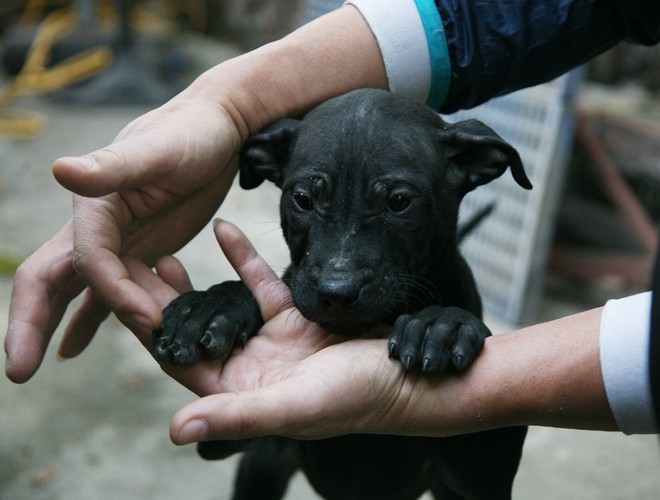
(85, 162)
(193, 431)
(82, 162)
(60, 358)
(217, 221)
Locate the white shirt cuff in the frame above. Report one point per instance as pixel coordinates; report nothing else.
(401, 37)
(624, 356)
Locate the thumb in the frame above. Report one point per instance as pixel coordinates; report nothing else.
(116, 167)
(279, 409)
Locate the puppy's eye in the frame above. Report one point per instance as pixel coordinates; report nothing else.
(303, 201)
(398, 203)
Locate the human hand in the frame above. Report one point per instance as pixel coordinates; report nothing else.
(292, 379)
(143, 196)
(165, 176)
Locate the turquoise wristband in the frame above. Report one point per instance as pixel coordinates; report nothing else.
(438, 52)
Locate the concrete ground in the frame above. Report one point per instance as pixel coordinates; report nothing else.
(97, 426)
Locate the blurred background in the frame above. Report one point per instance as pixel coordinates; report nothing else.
(74, 73)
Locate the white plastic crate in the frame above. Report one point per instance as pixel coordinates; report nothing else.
(312, 9)
(508, 251)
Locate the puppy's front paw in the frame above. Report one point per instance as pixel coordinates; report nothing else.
(206, 324)
(437, 337)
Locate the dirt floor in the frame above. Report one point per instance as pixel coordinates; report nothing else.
(97, 426)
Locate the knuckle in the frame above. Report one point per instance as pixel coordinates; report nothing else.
(79, 260)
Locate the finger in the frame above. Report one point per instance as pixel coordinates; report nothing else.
(272, 295)
(82, 327)
(132, 305)
(43, 287)
(97, 244)
(171, 270)
(159, 290)
(117, 167)
(202, 378)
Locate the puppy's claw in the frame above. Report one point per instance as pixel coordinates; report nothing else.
(242, 340)
(392, 349)
(176, 348)
(162, 352)
(408, 363)
(426, 366)
(459, 361)
(206, 340)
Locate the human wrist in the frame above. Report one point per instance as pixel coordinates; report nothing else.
(547, 374)
(447, 404)
(330, 56)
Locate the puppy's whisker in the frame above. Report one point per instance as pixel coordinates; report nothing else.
(420, 284)
(276, 223)
(418, 280)
(268, 222)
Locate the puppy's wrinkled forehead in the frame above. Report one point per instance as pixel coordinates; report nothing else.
(366, 129)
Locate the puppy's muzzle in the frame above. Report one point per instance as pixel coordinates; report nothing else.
(338, 291)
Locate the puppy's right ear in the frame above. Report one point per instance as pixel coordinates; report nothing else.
(265, 154)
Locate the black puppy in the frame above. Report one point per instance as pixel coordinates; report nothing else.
(371, 187)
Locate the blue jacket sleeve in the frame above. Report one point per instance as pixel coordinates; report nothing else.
(654, 351)
(497, 47)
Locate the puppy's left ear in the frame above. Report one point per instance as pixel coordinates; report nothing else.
(265, 154)
(476, 155)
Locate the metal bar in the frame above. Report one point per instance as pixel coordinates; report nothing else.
(590, 265)
(618, 190)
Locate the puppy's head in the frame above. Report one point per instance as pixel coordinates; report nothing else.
(371, 184)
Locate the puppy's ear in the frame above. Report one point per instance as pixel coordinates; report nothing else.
(476, 155)
(265, 154)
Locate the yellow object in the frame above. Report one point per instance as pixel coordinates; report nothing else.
(35, 77)
(8, 264)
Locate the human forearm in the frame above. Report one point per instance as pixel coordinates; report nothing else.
(330, 56)
(547, 374)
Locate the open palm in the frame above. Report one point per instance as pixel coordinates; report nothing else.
(304, 368)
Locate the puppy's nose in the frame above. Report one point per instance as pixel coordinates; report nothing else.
(338, 292)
